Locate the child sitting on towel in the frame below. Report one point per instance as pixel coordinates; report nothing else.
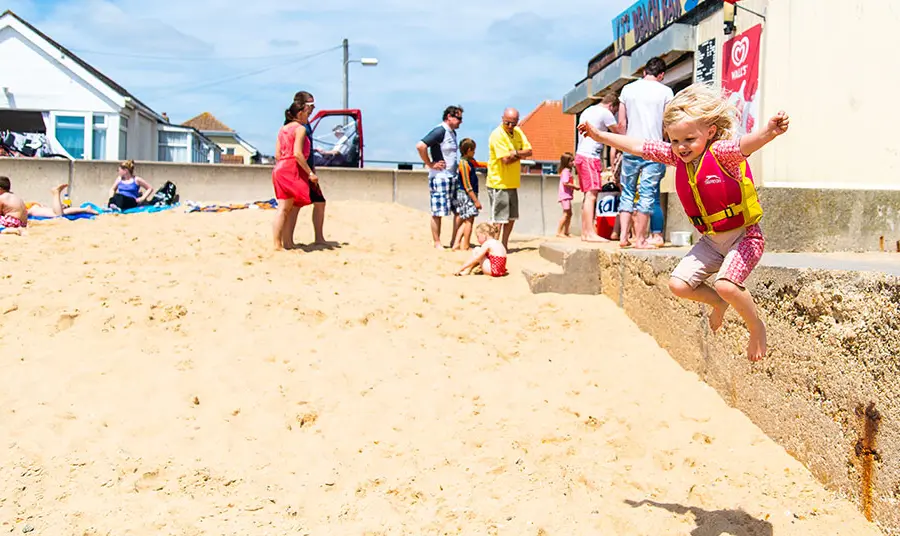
(13, 214)
(490, 254)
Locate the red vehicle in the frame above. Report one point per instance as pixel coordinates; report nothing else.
(337, 137)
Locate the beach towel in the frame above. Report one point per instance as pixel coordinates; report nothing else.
(271, 204)
(105, 210)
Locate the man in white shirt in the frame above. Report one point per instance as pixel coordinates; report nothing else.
(589, 162)
(641, 108)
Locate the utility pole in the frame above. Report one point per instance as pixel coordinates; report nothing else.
(346, 101)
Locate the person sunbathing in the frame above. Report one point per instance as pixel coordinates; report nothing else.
(13, 216)
(37, 210)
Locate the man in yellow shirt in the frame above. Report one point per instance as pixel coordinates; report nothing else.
(506, 147)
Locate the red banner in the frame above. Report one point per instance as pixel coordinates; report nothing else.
(740, 75)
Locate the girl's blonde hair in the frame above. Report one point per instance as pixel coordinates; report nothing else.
(129, 165)
(488, 229)
(705, 104)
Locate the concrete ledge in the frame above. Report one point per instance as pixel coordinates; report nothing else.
(829, 391)
(834, 350)
(579, 272)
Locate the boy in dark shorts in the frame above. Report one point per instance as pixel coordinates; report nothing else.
(465, 203)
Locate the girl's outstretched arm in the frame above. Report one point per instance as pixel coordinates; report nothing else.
(755, 141)
(626, 144)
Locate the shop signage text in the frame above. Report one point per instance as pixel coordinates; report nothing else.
(644, 19)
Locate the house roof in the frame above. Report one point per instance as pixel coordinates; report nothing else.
(550, 131)
(207, 122)
(83, 64)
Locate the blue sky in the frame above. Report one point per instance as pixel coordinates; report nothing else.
(242, 61)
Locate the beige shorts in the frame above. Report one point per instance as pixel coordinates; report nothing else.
(731, 255)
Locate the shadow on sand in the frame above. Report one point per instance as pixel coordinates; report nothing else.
(715, 522)
(327, 246)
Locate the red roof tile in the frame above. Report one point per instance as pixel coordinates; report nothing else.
(207, 122)
(550, 131)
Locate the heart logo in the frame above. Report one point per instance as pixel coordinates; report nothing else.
(739, 51)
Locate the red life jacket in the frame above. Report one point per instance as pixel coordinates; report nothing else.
(714, 200)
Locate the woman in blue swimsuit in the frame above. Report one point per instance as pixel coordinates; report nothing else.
(127, 193)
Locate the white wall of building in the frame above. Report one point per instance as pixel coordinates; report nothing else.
(36, 81)
(831, 66)
(37, 76)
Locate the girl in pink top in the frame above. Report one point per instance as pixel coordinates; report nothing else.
(711, 173)
(567, 187)
(292, 177)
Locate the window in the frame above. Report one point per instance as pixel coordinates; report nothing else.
(70, 134)
(123, 138)
(174, 146)
(229, 150)
(99, 138)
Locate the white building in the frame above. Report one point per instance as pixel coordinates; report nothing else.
(91, 116)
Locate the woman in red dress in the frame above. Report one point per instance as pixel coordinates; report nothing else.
(293, 178)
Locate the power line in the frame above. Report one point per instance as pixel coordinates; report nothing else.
(251, 73)
(183, 58)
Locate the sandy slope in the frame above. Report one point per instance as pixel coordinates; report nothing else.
(167, 374)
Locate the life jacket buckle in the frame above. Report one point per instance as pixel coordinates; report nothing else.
(729, 212)
(697, 220)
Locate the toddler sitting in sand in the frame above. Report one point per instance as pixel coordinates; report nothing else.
(490, 254)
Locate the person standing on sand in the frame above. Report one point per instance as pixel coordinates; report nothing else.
(439, 152)
(506, 147)
(304, 98)
(292, 176)
(589, 162)
(641, 116)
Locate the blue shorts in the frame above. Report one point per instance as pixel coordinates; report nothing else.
(441, 187)
(640, 184)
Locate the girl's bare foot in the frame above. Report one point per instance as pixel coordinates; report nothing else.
(594, 238)
(757, 347)
(717, 316)
(657, 240)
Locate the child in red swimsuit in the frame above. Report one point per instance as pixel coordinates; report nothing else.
(716, 189)
(490, 254)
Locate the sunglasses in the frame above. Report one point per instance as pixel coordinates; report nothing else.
(510, 123)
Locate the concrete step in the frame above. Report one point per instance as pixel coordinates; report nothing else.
(567, 268)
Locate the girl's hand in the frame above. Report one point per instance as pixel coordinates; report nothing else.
(314, 178)
(779, 124)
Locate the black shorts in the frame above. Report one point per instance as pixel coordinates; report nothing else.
(315, 193)
(123, 202)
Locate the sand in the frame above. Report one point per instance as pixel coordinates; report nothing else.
(168, 374)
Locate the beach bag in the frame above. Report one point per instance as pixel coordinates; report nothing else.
(166, 195)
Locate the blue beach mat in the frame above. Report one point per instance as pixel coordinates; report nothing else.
(104, 210)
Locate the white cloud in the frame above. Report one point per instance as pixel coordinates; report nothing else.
(482, 55)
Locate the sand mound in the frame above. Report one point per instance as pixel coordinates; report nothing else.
(167, 374)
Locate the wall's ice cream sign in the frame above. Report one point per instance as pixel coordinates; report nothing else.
(644, 19)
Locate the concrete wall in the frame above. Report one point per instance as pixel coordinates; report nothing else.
(795, 219)
(799, 219)
(833, 339)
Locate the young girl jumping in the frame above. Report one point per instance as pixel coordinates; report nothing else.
(716, 189)
(490, 254)
(567, 187)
